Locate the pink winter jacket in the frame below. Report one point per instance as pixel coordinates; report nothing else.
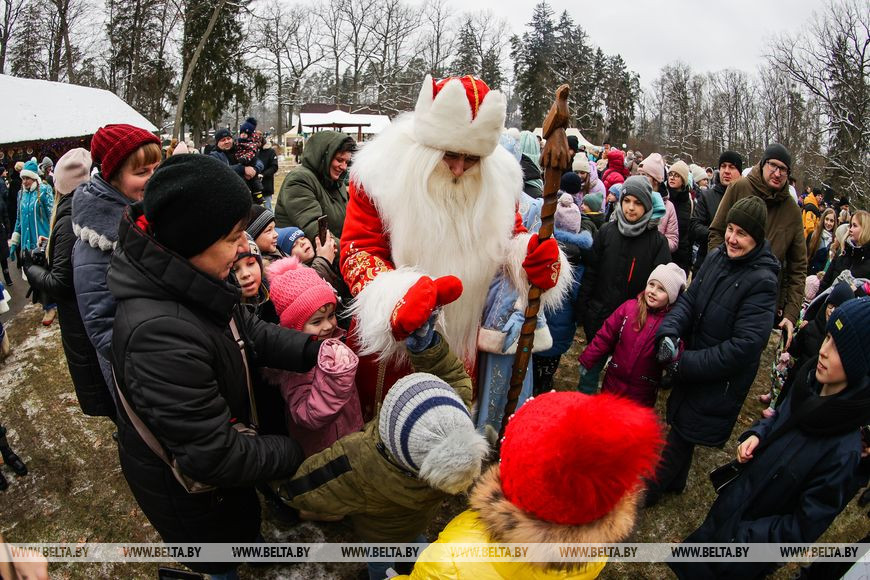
(323, 404)
(633, 371)
(669, 226)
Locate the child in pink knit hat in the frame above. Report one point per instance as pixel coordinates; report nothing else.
(322, 405)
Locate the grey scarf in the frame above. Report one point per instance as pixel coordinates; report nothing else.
(628, 229)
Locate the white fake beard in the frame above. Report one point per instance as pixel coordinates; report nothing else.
(454, 226)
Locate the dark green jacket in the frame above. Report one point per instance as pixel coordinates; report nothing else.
(356, 477)
(308, 192)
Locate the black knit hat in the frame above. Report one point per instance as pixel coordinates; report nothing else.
(750, 213)
(732, 157)
(778, 152)
(221, 133)
(570, 183)
(573, 142)
(192, 201)
(840, 293)
(849, 326)
(259, 220)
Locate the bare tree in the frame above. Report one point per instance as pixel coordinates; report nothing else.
(11, 12)
(829, 59)
(437, 40)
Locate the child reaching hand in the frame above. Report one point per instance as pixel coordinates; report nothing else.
(322, 405)
(629, 334)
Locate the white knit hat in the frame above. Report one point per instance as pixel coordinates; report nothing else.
(73, 169)
(427, 429)
(459, 114)
(671, 277)
(581, 163)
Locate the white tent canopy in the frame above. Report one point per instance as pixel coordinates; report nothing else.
(369, 124)
(572, 131)
(45, 110)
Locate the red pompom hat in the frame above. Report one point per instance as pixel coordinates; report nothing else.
(112, 144)
(569, 458)
(459, 114)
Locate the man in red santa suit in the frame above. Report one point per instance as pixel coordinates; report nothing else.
(432, 218)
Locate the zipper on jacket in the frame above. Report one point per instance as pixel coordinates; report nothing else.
(631, 271)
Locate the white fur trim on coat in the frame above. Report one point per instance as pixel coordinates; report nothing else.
(492, 340)
(373, 308)
(446, 123)
(550, 299)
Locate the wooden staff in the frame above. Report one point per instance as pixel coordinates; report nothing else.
(554, 160)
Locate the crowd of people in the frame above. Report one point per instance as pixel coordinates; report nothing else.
(349, 355)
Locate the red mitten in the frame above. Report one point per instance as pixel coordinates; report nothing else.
(542, 264)
(414, 309)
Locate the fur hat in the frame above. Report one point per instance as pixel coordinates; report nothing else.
(750, 213)
(681, 169)
(31, 170)
(112, 144)
(568, 215)
(427, 429)
(593, 201)
(297, 291)
(192, 201)
(287, 238)
(602, 445)
(459, 114)
(73, 169)
(654, 166)
(849, 326)
(571, 183)
(581, 163)
(640, 188)
(672, 277)
(259, 220)
(732, 157)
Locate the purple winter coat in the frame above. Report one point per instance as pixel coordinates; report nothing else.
(633, 372)
(323, 404)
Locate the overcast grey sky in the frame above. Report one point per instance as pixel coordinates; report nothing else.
(709, 35)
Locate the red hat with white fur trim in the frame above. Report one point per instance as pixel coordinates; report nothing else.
(459, 114)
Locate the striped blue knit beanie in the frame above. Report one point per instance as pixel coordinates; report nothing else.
(428, 430)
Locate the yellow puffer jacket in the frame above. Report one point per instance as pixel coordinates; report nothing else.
(492, 518)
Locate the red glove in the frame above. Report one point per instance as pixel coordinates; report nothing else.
(414, 309)
(542, 264)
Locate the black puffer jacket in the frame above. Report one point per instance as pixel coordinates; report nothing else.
(182, 372)
(856, 259)
(724, 319)
(789, 492)
(702, 216)
(57, 281)
(683, 205)
(269, 159)
(617, 270)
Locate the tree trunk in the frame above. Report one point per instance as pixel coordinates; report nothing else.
(182, 90)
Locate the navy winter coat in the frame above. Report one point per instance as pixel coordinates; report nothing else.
(724, 319)
(789, 493)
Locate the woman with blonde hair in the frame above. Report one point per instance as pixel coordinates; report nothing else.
(856, 251)
(820, 241)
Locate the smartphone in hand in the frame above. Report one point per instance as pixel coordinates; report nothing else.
(322, 229)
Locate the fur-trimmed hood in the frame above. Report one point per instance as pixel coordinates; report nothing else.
(96, 213)
(506, 523)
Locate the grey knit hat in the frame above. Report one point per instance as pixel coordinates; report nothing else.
(639, 187)
(427, 429)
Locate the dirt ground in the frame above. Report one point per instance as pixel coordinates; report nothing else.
(75, 491)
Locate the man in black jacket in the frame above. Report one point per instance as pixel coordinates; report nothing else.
(269, 159)
(730, 168)
(179, 367)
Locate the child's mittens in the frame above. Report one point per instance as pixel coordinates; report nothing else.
(512, 329)
(424, 337)
(670, 373)
(668, 349)
(336, 358)
(542, 263)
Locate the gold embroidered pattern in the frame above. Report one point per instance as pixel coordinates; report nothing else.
(476, 96)
(360, 268)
